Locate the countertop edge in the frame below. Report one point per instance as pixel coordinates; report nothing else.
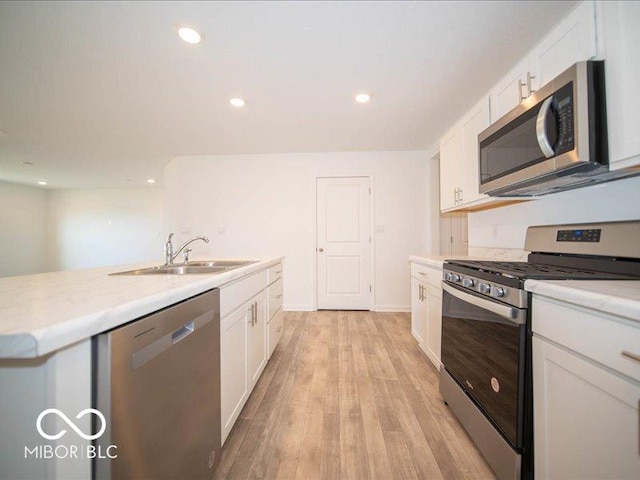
(42, 341)
(604, 302)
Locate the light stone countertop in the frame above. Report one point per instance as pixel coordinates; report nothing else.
(437, 261)
(475, 253)
(42, 313)
(615, 297)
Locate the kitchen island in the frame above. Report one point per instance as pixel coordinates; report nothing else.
(47, 322)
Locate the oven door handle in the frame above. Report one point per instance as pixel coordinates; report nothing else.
(514, 315)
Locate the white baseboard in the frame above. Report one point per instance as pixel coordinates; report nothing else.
(378, 308)
(392, 308)
(298, 308)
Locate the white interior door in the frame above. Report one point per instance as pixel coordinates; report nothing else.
(344, 244)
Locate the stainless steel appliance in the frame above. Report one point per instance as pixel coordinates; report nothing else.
(158, 385)
(554, 140)
(486, 331)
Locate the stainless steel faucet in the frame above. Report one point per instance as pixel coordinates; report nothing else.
(169, 256)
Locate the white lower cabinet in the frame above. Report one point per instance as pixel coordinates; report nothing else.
(434, 324)
(245, 340)
(234, 370)
(257, 338)
(274, 331)
(275, 315)
(586, 418)
(586, 393)
(426, 309)
(418, 311)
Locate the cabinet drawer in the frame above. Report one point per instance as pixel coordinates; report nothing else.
(276, 325)
(430, 275)
(237, 293)
(274, 273)
(598, 336)
(275, 298)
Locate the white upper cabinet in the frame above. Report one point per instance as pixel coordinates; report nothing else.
(621, 24)
(459, 185)
(473, 124)
(514, 87)
(573, 40)
(450, 175)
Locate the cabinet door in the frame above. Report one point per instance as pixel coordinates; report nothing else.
(234, 381)
(511, 90)
(434, 324)
(622, 63)
(418, 311)
(573, 40)
(257, 348)
(450, 172)
(474, 123)
(586, 419)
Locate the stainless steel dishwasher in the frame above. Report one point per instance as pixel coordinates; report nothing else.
(158, 385)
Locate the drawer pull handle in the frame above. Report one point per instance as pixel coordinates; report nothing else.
(278, 329)
(278, 296)
(422, 273)
(278, 271)
(632, 356)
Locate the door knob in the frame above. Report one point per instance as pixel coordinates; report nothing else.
(321, 249)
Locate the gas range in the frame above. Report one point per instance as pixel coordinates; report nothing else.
(486, 377)
(559, 253)
(504, 281)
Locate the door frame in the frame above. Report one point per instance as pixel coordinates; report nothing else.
(372, 259)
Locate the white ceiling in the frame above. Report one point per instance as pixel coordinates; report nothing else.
(103, 94)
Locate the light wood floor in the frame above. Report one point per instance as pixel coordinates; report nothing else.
(348, 395)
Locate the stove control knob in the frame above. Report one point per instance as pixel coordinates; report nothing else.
(498, 292)
(455, 278)
(468, 283)
(448, 277)
(485, 288)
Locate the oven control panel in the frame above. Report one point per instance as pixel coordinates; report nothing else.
(589, 235)
(503, 293)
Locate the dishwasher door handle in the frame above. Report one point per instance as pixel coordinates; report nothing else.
(182, 332)
(159, 345)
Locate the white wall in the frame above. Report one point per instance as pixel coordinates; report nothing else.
(506, 227)
(23, 229)
(92, 228)
(265, 204)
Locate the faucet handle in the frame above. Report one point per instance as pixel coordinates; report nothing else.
(170, 237)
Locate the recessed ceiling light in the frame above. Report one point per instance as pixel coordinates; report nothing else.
(42, 182)
(237, 102)
(189, 35)
(151, 180)
(363, 97)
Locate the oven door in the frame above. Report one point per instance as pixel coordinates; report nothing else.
(483, 349)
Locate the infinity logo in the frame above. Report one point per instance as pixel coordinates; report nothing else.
(71, 424)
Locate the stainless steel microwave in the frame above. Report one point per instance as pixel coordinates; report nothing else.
(554, 140)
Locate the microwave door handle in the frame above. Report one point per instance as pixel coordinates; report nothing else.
(541, 128)
(514, 315)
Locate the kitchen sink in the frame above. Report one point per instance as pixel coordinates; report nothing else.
(220, 263)
(196, 267)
